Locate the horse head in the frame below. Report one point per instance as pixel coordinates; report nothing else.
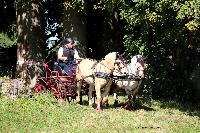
(138, 65)
(110, 59)
(108, 62)
(120, 66)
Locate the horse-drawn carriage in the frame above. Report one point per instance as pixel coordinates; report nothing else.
(97, 74)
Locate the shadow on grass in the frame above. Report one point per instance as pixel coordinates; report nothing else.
(121, 105)
(138, 106)
(188, 108)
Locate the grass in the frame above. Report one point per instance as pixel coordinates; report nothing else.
(42, 113)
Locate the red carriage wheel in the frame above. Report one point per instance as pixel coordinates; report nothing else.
(39, 88)
(56, 91)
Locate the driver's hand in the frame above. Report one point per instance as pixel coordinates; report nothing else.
(65, 58)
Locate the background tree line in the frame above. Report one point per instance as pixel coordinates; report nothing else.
(166, 31)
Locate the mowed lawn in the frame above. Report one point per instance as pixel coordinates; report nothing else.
(42, 113)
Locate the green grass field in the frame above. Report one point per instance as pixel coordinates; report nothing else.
(42, 113)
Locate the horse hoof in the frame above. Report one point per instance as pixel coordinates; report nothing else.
(91, 106)
(116, 103)
(99, 110)
(129, 107)
(60, 101)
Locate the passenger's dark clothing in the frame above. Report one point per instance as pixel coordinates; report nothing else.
(69, 64)
(68, 67)
(69, 53)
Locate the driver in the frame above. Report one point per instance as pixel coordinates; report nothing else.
(67, 55)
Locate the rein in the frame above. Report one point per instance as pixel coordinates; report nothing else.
(127, 76)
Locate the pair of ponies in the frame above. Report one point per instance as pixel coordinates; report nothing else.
(88, 69)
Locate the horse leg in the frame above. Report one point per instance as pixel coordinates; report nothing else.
(98, 95)
(90, 95)
(133, 94)
(79, 96)
(128, 103)
(115, 96)
(106, 93)
(116, 99)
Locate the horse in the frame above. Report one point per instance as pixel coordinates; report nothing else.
(97, 74)
(129, 78)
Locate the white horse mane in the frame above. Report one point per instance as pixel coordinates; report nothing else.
(135, 58)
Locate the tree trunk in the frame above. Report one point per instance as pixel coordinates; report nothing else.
(30, 34)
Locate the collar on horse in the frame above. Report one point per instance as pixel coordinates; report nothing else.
(101, 74)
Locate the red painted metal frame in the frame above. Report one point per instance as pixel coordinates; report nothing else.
(61, 86)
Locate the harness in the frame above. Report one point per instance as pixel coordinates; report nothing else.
(127, 76)
(99, 74)
(103, 75)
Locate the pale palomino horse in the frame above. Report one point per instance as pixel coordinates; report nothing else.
(97, 75)
(129, 77)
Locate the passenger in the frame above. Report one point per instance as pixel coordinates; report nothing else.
(67, 56)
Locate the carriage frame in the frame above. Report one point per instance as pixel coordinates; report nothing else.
(56, 81)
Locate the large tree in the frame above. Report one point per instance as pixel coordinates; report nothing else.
(30, 38)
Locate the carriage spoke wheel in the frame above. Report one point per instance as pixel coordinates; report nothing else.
(56, 91)
(39, 88)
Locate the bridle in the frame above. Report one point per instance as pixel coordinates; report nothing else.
(129, 74)
(120, 60)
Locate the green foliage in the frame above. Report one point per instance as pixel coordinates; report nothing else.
(165, 31)
(190, 11)
(75, 4)
(7, 47)
(5, 41)
(159, 30)
(7, 37)
(109, 5)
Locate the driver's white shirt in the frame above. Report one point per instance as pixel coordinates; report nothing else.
(60, 53)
